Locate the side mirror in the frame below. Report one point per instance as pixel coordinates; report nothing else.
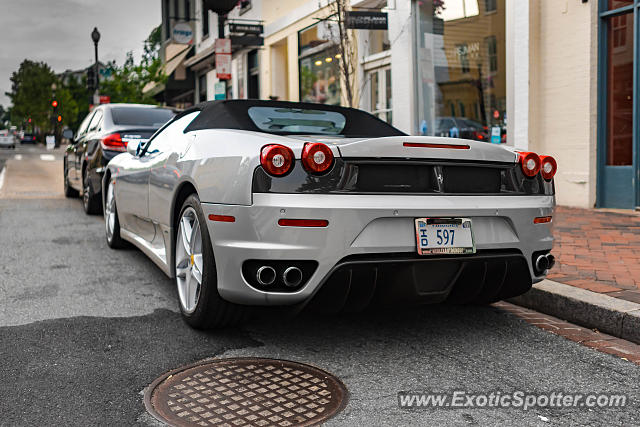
(132, 147)
(68, 134)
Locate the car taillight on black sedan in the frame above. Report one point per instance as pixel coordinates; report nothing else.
(113, 142)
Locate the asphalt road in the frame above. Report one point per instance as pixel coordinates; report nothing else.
(84, 329)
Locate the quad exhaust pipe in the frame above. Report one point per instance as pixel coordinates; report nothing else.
(292, 277)
(544, 262)
(266, 275)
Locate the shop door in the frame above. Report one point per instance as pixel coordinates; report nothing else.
(618, 124)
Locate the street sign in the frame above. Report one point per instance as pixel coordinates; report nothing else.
(495, 135)
(246, 28)
(223, 46)
(366, 20)
(182, 33)
(220, 90)
(223, 66)
(50, 141)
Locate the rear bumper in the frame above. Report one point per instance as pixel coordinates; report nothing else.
(359, 281)
(375, 227)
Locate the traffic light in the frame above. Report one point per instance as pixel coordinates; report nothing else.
(59, 119)
(91, 79)
(54, 103)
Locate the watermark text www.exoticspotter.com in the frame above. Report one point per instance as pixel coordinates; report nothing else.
(517, 399)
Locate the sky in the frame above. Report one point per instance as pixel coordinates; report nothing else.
(58, 32)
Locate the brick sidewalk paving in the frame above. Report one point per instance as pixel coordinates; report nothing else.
(587, 337)
(598, 251)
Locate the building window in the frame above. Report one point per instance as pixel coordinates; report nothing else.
(205, 20)
(187, 10)
(492, 53)
(176, 9)
(380, 103)
(318, 64)
(166, 21)
(459, 49)
(202, 88)
(253, 75)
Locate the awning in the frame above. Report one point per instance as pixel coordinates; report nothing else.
(168, 68)
(199, 57)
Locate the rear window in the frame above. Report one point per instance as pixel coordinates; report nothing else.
(297, 120)
(132, 116)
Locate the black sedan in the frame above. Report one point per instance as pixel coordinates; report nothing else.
(28, 138)
(103, 134)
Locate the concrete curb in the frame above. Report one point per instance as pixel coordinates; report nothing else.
(607, 314)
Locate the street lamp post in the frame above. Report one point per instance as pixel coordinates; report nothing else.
(95, 36)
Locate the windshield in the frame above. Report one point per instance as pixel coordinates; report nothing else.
(297, 120)
(141, 116)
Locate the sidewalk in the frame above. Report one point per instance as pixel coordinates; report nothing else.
(598, 251)
(596, 280)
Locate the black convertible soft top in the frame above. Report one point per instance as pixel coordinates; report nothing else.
(234, 114)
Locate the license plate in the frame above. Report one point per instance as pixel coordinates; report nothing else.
(444, 236)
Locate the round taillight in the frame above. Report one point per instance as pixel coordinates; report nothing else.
(548, 168)
(317, 157)
(530, 163)
(277, 160)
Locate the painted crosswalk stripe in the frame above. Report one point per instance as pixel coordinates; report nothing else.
(47, 157)
(18, 157)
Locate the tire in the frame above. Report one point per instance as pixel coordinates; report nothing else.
(200, 303)
(68, 191)
(111, 221)
(90, 201)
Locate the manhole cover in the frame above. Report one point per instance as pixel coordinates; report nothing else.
(246, 392)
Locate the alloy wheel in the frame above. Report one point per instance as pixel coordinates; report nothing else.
(85, 193)
(110, 211)
(189, 262)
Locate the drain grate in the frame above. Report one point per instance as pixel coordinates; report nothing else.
(246, 392)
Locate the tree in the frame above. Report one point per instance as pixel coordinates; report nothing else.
(347, 49)
(31, 93)
(128, 81)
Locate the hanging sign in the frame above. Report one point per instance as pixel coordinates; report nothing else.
(223, 66)
(245, 28)
(366, 20)
(182, 33)
(223, 46)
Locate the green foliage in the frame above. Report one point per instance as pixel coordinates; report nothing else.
(31, 93)
(128, 81)
(74, 93)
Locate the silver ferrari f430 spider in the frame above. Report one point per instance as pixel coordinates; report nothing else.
(251, 203)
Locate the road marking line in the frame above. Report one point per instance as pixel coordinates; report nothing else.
(2, 177)
(18, 157)
(47, 157)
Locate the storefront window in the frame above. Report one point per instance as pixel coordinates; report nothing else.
(620, 90)
(318, 64)
(461, 69)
